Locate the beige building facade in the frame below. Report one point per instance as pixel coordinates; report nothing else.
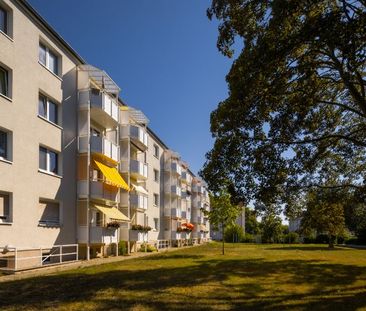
(78, 167)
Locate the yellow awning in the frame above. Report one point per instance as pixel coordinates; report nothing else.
(140, 189)
(112, 176)
(203, 228)
(112, 213)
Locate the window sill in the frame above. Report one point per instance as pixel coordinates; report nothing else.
(7, 36)
(5, 161)
(6, 97)
(50, 122)
(51, 72)
(49, 173)
(49, 225)
(7, 223)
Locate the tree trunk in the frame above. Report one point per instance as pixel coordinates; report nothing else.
(331, 241)
(223, 239)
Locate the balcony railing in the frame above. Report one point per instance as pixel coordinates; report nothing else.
(104, 108)
(176, 235)
(172, 212)
(138, 201)
(137, 134)
(197, 189)
(99, 145)
(97, 191)
(138, 169)
(176, 168)
(138, 236)
(105, 103)
(97, 235)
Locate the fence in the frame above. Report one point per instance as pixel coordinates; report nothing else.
(15, 259)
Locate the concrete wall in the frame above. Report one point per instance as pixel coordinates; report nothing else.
(20, 115)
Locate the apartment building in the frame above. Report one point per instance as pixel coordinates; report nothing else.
(79, 169)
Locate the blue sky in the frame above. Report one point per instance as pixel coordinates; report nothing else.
(161, 53)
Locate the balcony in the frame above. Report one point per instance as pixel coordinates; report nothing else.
(198, 204)
(138, 236)
(173, 212)
(173, 190)
(183, 177)
(197, 189)
(176, 168)
(138, 170)
(97, 235)
(103, 108)
(99, 145)
(137, 134)
(197, 219)
(176, 235)
(98, 191)
(184, 215)
(138, 201)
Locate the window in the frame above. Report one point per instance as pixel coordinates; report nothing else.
(156, 223)
(5, 209)
(156, 151)
(5, 145)
(156, 175)
(49, 213)
(48, 58)
(47, 109)
(94, 132)
(156, 199)
(4, 82)
(3, 21)
(48, 160)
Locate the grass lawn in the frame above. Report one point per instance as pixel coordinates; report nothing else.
(248, 277)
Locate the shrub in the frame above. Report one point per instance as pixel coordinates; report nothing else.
(149, 248)
(234, 233)
(291, 238)
(248, 238)
(122, 248)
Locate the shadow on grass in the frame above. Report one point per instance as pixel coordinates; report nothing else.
(165, 256)
(231, 284)
(304, 248)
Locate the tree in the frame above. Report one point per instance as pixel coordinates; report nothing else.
(251, 222)
(296, 109)
(324, 213)
(222, 212)
(271, 226)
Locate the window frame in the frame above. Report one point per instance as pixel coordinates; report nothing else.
(156, 223)
(48, 161)
(8, 146)
(156, 151)
(156, 199)
(6, 21)
(6, 80)
(156, 175)
(8, 218)
(48, 101)
(50, 223)
(46, 64)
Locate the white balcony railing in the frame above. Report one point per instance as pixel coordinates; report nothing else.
(196, 188)
(139, 201)
(176, 168)
(137, 134)
(104, 146)
(97, 235)
(105, 103)
(176, 235)
(176, 190)
(99, 145)
(139, 169)
(138, 236)
(97, 191)
(176, 212)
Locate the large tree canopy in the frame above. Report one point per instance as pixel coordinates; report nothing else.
(296, 111)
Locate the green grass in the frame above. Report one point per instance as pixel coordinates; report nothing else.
(248, 277)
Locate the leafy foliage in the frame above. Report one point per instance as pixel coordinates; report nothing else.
(234, 233)
(271, 226)
(295, 115)
(324, 213)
